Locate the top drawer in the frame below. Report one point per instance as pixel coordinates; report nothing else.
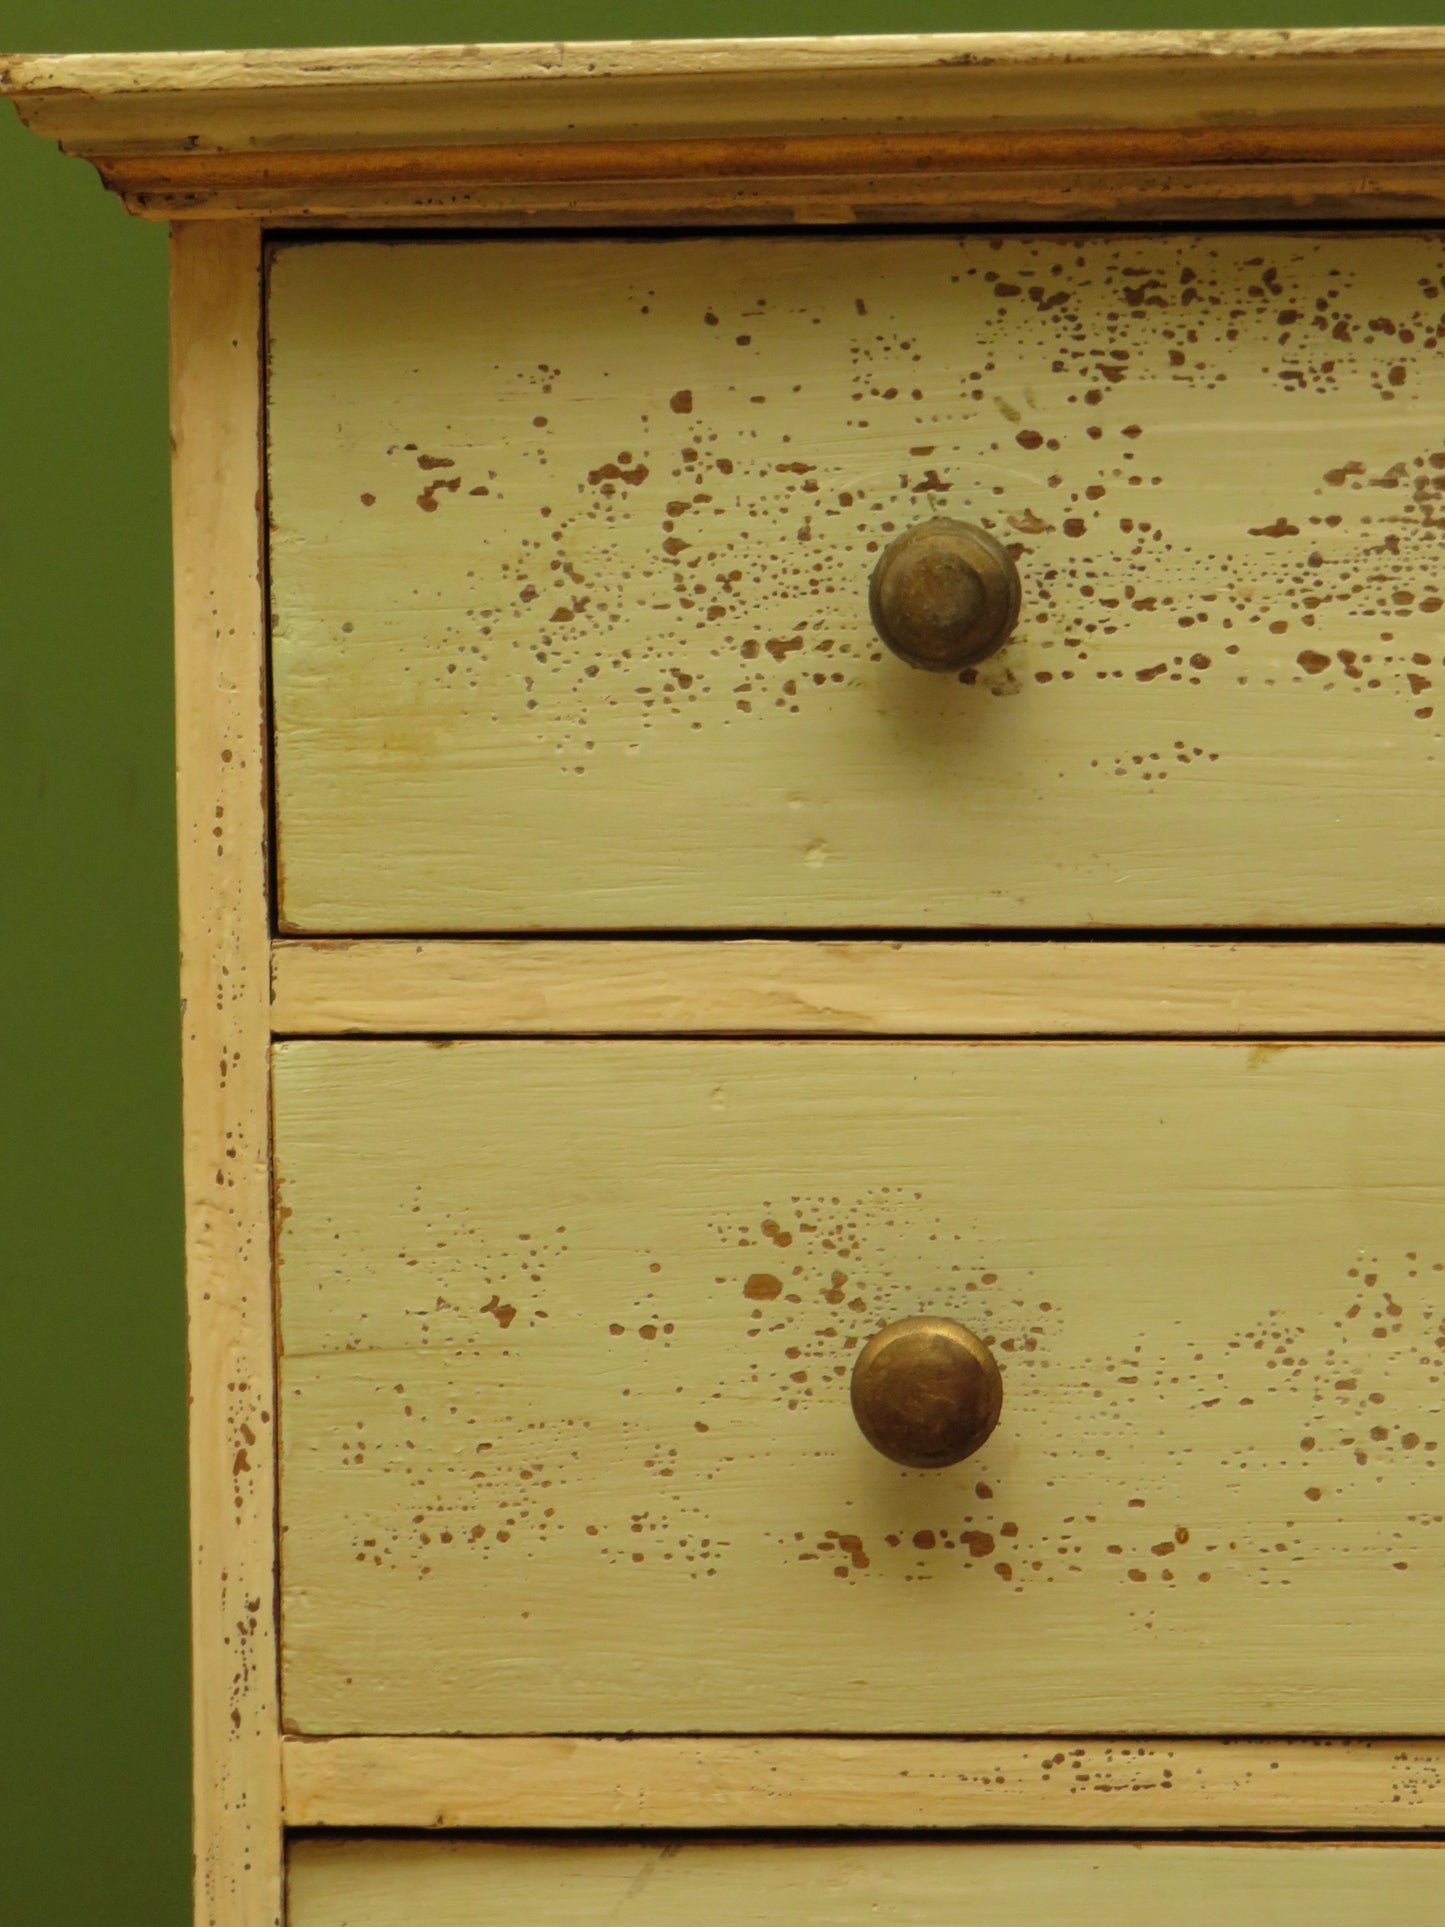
(570, 560)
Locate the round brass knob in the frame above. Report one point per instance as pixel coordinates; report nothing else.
(926, 1392)
(945, 595)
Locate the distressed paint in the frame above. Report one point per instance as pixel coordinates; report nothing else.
(404, 100)
(425, 1883)
(571, 550)
(1244, 363)
(221, 805)
(566, 1335)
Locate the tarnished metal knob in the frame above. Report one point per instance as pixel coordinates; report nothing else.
(945, 595)
(926, 1392)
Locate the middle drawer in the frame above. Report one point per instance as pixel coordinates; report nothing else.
(567, 1333)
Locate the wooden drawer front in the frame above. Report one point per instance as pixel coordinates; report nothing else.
(571, 552)
(469, 1883)
(566, 1438)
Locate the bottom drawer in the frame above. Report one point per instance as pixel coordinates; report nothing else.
(651, 1883)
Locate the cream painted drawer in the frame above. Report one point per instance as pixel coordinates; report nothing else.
(571, 547)
(933, 1883)
(566, 1331)
(534, 571)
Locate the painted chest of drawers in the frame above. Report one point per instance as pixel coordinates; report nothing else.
(625, 994)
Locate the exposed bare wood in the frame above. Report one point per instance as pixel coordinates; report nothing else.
(781, 157)
(315, 134)
(221, 790)
(1118, 1783)
(446, 987)
(293, 178)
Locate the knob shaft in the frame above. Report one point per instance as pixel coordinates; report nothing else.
(926, 1392)
(945, 595)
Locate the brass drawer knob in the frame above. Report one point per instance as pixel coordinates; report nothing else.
(945, 595)
(926, 1392)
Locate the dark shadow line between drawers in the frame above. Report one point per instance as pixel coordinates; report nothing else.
(661, 1034)
(277, 235)
(268, 684)
(755, 1834)
(1296, 1738)
(897, 934)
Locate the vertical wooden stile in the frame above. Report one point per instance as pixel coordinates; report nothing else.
(216, 398)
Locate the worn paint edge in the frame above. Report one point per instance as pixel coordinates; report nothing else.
(320, 69)
(788, 157)
(1067, 1782)
(1204, 195)
(351, 96)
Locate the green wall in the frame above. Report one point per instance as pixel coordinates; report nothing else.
(94, 1797)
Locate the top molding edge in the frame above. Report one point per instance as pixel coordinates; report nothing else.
(90, 102)
(254, 70)
(364, 130)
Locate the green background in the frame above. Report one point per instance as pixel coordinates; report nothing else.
(94, 1798)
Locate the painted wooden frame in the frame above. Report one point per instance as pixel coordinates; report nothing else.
(1137, 1785)
(1035, 128)
(216, 404)
(856, 988)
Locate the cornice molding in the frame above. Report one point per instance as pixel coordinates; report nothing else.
(1346, 122)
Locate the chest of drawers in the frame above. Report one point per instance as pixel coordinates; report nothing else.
(620, 986)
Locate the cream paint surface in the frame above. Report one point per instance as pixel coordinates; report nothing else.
(440, 987)
(572, 541)
(567, 1328)
(424, 1883)
(775, 1781)
(221, 793)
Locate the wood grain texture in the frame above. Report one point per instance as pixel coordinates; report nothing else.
(784, 156)
(571, 626)
(1211, 175)
(445, 987)
(221, 797)
(311, 130)
(868, 182)
(935, 1883)
(1134, 1784)
(572, 1322)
